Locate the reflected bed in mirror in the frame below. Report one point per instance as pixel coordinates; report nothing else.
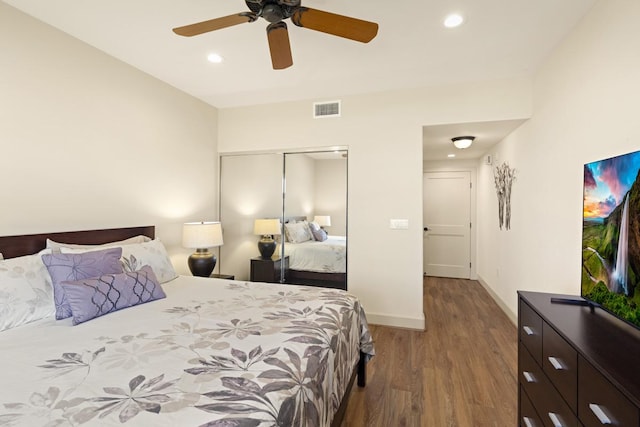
(314, 262)
(308, 184)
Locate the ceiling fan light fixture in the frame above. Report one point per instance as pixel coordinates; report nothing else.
(453, 20)
(462, 142)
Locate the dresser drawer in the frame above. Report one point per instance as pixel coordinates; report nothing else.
(528, 415)
(551, 408)
(599, 402)
(531, 331)
(560, 363)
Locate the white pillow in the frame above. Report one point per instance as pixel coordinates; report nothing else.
(298, 232)
(26, 293)
(136, 255)
(131, 240)
(1, 257)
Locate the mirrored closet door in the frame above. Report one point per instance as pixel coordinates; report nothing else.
(297, 198)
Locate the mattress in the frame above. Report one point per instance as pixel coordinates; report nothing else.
(213, 352)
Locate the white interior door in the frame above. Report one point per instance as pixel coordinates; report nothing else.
(447, 221)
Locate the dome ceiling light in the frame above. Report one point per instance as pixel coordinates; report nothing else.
(463, 142)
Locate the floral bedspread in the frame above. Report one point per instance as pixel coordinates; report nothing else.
(213, 353)
(329, 256)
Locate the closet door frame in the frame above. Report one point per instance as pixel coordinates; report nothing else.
(283, 214)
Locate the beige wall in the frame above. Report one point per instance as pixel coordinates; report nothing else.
(383, 133)
(87, 141)
(250, 189)
(299, 197)
(585, 109)
(331, 193)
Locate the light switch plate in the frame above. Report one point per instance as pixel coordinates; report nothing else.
(399, 224)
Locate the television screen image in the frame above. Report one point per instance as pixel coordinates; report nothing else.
(611, 235)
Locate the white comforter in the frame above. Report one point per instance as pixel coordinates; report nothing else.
(329, 256)
(214, 352)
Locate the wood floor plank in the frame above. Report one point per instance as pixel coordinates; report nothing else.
(461, 371)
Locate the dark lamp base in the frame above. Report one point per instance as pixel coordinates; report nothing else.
(266, 248)
(201, 263)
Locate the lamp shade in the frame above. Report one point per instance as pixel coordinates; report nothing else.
(322, 220)
(198, 235)
(264, 227)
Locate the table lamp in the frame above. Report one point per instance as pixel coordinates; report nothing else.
(266, 228)
(322, 220)
(201, 236)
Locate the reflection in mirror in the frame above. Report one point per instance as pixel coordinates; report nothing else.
(315, 215)
(289, 187)
(250, 189)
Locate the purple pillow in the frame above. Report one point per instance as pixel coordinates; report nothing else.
(320, 235)
(91, 298)
(76, 267)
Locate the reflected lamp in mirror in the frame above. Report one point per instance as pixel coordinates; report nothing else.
(202, 236)
(322, 220)
(266, 228)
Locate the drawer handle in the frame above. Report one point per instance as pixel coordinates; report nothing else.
(528, 422)
(555, 419)
(528, 330)
(529, 377)
(556, 363)
(599, 413)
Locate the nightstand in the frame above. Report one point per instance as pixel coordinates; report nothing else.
(268, 269)
(223, 276)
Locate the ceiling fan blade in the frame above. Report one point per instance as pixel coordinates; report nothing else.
(338, 25)
(279, 45)
(215, 24)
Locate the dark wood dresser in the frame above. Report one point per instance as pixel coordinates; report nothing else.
(576, 367)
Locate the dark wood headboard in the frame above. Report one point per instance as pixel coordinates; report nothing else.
(288, 219)
(15, 246)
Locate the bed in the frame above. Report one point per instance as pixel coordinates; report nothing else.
(209, 352)
(313, 262)
(318, 263)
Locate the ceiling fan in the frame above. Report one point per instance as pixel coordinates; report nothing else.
(276, 11)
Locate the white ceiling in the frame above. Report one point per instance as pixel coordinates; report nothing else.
(500, 39)
(437, 144)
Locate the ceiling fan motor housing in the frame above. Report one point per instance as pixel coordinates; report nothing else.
(272, 13)
(273, 10)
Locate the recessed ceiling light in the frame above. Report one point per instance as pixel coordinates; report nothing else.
(214, 58)
(453, 20)
(451, 156)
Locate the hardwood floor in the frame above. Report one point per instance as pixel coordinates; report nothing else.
(461, 371)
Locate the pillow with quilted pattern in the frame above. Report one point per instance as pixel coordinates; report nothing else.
(318, 233)
(91, 298)
(77, 266)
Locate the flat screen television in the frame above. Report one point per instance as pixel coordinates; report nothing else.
(611, 236)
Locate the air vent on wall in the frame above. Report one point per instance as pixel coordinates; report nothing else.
(326, 109)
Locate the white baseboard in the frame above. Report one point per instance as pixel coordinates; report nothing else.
(510, 314)
(396, 321)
